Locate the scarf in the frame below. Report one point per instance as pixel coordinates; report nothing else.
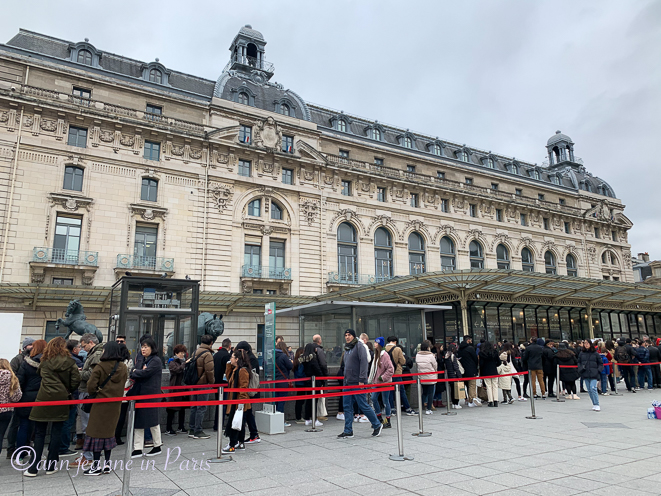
(349, 346)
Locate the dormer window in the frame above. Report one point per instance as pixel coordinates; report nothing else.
(85, 57)
(285, 110)
(376, 134)
(341, 126)
(489, 162)
(244, 98)
(515, 169)
(408, 142)
(536, 175)
(554, 180)
(156, 76)
(436, 149)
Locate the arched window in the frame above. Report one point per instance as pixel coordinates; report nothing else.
(73, 178)
(608, 257)
(416, 254)
(284, 109)
(604, 257)
(490, 163)
(502, 257)
(536, 174)
(276, 211)
(347, 253)
(244, 98)
(476, 255)
(341, 125)
(156, 76)
(376, 134)
(85, 57)
(383, 254)
(527, 260)
(464, 155)
(515, 169)
(436, 149)
(588, 186)
(571, 265)
(448, 260)
(255, 208)
(408, 142)
(549, 262)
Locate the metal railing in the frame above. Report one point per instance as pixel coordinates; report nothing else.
(259, 272)
(66, 257)
(254, 62)
(354, 279)
(149, 263)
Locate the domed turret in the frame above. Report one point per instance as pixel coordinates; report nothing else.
(248, 53)
(560, 148)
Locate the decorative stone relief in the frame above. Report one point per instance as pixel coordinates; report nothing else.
(414, 225)
(107, 136)
(445, 230)
(592, 253)
(626, 258)
(475, 234)
(70, 202)
(221, 195)
(350, 216)
(383, 221)
(501, 238)
(148, 213)
(4, 116)
(48, 125)
(309, 210)
(127, 140)
(267, 134)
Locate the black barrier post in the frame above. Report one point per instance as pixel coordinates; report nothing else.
(532, 398)
(448, 385)
(421, 431)
(400, 435)
(219, 436)
(126, 474)
(558, 399)
(314, 408)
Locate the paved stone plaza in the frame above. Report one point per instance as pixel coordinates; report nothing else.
(571, 450)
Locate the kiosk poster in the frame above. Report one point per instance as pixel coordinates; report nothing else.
(269, 341)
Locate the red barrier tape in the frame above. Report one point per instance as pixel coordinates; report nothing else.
(318, 388)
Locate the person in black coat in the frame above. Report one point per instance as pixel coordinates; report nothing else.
(468, 357)
(548, 366)
(655, 356)
(452, 367)
(249, 414)
(30, 382)
(568, 376)
(533, 361)
(489, 362)
(220, 359)
(283, 366)
(147, 381)
(590, 366)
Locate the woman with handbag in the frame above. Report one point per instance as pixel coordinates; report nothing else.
(147, 380)
(238, 376)
(107, 381)
(59, 378)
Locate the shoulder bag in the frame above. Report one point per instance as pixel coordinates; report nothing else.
(87, 407)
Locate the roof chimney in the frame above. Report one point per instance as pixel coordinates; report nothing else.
(645, 257)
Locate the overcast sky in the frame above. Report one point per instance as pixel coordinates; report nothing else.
(496, 75)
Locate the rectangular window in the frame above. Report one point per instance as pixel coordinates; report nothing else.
(524, 220)
(472, 208)
(440, 175)
(252, 257)
(59, 281)
(52, 330)
(83, 96)
(567, 230)
(271, 292)
(540, 196)
(615, 278)
(410, 168)
(344, 153)
(469, 180)
(346, 188)
(414, 200)
(73, 178)
(276, 259)
(614, 236)
(245, 134)
(381, 194)
(144, 248)
(561, 201)
(77, 137)
(606, 278)
(518, 192)
(287, 144)
(153, 112)
(494, 186)
(444, 205)
(378, 161)
(596, 233)
(547, 225)
(67, 239)
(245, 168)
(149, 190)
(152, 150)
(257, 291)
(287, 176)
(499, 215)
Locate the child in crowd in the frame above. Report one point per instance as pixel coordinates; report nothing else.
(505, 383)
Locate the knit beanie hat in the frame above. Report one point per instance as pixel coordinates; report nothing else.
(27, 342)
(540, 342)
(380, 341)
(350, 331)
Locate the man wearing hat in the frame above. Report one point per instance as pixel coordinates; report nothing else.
(15, 364)
(25, 351)
(356, 370)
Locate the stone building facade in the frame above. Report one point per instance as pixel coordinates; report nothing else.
(110, 165)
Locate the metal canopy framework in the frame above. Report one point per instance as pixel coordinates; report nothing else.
(502, 286)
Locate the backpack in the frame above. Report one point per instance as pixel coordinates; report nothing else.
(254, 382)
(190, 370)
(606, 370)
(621, 355)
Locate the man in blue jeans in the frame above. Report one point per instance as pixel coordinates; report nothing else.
(356, 370)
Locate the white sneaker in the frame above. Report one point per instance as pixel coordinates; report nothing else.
(457, 407)
(317, 423)
(308, 422)
(521, 398)
(355, 419)
(596, 408)
(428, 412)
(471, 405)
(339, 416)
(363, 419)
(477, 401)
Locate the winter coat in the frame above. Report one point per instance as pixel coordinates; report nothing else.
(18, 360)
(104, 416)
(283, 365)
(220, 360)
(93, 357)
(321, 356)
(643, 355)
(299, 372)
(204, 362)
(590, 365)
(176, 366)
(426, 361)
(59, 378)
(567, 357)
(148, 381)
(469, 360)
(356, 366)
(655, 354)
(239, 381)
(78, 360)
(382, 369)
(548, 364)
(532, 357)
(5, 397)
(30, 382)
(505, 382)
(398, 358)
(488, 363)
(310, 361)
(452, 365)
